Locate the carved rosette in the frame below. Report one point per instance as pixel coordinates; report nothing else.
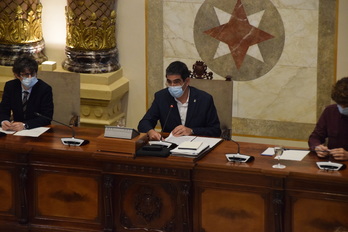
(20, 30)
(91, 38)
(148, 204)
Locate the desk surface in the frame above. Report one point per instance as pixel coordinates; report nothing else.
(307, 167)
(204, 187)
(215, 159)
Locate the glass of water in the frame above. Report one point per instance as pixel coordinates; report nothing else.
(278, 151)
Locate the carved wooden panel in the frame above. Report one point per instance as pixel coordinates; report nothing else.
(6, 192)
(152, 205)
(319, 215)
(224, 210)
(68, 196)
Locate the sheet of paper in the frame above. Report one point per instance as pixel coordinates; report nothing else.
(296, 155)
(205, 140)
(36, 132)
(6, 132)
(269, 151)
(180, 139)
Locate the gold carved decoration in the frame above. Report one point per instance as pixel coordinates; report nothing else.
(85, 34)
(24, 28)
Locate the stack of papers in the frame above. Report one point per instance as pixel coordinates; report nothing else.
(192, 146)
(188, 145)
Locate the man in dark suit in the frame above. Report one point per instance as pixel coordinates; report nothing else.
(180, 108)
(24, 96)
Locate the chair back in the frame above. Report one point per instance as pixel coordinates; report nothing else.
(66, 95)
(222, 92)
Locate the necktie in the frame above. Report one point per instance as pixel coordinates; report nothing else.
(25, 100)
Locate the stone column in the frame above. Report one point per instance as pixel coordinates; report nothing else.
(20, 30)
(91, 36)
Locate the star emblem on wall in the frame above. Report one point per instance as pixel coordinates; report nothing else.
(240, 38)
(238, 34)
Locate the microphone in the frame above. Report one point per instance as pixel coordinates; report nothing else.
(165, 122)
(237, 157)
(67, 141)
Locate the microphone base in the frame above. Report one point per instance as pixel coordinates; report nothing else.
(330, 166)
(74, 142)
(236, 157)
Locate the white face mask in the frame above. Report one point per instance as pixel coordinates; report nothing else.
(342, 110)
(29, 82)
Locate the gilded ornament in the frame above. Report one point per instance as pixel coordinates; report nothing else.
(84, 34)
(24, 28)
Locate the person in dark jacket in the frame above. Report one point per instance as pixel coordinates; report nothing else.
(330, 136)
(180, 108)
(25, 96)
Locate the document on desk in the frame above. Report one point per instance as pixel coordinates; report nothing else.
(288, 154)
(7, 132)
(36, 132)
(212, 142)
(202, 144)
(296, 155)
(188, 145)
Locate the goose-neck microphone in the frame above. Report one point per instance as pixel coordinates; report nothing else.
(165, 122)
(67, 141)
(237, 157)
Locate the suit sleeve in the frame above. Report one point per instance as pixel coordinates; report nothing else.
(5, 106)
(149, 121)
(319, 134)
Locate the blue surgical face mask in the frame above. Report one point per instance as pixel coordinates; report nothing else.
(29, 82)
(342, 110)
(176, 91)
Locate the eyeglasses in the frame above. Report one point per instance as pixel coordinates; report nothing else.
(26, 75)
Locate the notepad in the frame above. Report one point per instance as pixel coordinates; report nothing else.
(188, 145)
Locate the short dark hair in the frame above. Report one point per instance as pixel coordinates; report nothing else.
(178, 68)
(339, 92)
(25, 62)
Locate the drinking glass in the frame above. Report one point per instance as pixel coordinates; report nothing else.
(278, 151)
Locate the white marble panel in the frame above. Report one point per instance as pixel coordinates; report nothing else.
(288, 92)
(285, 94)
(296, 4)
(301, 37)
(178, 22)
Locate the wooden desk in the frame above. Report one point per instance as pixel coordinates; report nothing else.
(256, 197)
(48, 187)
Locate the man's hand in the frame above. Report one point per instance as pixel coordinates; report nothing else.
(6, 125)
(322, 151)
(181, 130)
(12, 126)
(154, 135)
(339, 154)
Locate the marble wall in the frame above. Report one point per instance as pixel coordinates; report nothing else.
(280, 53)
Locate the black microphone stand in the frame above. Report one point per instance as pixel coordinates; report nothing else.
(67, 141)
(237, 157)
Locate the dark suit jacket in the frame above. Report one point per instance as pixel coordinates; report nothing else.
(201, 116)
(40, 101)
